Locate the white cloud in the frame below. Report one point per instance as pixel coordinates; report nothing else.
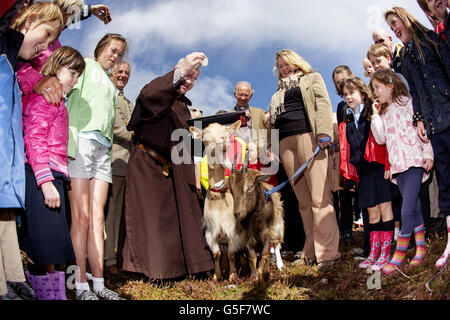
(161, 32)
(211, 94)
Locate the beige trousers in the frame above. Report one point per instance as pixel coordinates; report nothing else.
(11, 268)
(112, 221)
(313, 192)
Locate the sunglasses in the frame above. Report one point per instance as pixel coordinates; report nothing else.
(380, 41)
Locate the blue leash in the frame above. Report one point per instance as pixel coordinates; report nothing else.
(303, 167)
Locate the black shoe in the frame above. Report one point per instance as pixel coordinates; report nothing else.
(21, 289)
(347, 237)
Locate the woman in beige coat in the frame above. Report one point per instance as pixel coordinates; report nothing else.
(301, 111)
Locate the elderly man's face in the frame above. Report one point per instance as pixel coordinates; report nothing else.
(384, 39)
(121, 75)
(243, 95)
(189, 81)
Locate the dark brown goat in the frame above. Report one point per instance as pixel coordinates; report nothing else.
(263, 221)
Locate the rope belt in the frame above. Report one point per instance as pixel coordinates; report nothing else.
(166, 165)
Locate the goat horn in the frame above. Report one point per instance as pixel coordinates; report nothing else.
(245, 164)
(233, 167)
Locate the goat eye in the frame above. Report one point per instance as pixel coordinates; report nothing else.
(250, 189)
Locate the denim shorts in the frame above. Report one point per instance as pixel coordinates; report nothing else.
(92, 161)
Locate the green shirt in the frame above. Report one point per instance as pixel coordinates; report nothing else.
(92, 105)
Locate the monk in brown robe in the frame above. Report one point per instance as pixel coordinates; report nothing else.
(162, 233)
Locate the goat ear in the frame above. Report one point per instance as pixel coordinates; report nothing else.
(195, 132)
(235, 126)
(262, 178)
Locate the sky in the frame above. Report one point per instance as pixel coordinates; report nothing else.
(240, 39)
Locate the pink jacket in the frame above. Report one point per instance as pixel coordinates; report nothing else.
(28, 73)
(395, 129)
(46, 132)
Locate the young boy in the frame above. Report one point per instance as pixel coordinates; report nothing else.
(381, 58)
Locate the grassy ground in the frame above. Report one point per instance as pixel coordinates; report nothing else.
(345, 281)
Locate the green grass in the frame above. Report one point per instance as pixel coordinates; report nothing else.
(345, 281)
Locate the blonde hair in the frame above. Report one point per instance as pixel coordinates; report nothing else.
(365, 64)
(64, 5)
(293, 59)
(400, 91)
(378, 50)
(106, 40)
(44, 12)
(63, 57)
(414, 27)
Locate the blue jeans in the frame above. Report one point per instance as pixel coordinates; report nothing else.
(409, 183)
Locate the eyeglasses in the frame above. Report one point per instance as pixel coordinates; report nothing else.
(242, 95)
(380, 41)
(189, 78)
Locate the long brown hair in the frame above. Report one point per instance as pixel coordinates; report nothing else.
(416, 29)
(400, 91)
(358, 84)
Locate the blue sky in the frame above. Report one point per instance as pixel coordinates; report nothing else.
(240, 38)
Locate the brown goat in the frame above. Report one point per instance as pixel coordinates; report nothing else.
(219, 221)
(263, 221)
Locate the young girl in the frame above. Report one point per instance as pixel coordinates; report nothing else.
(345, 208)
(45, 235)
(429, 86)
(340, 73)
(409, 157)
(31, 33)
(359, 150)
(91, 122)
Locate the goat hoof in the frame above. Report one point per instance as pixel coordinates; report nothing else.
(280, 265)
(233, 277)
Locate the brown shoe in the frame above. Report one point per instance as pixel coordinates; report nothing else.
(325, 265)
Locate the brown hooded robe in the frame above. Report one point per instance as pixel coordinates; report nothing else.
(163, 236)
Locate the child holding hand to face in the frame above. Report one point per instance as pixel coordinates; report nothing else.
(365, 161)
(409, 157)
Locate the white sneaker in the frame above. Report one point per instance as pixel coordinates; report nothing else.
(396, 233)
(359, 222)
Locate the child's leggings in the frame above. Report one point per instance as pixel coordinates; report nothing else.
(409, 183)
